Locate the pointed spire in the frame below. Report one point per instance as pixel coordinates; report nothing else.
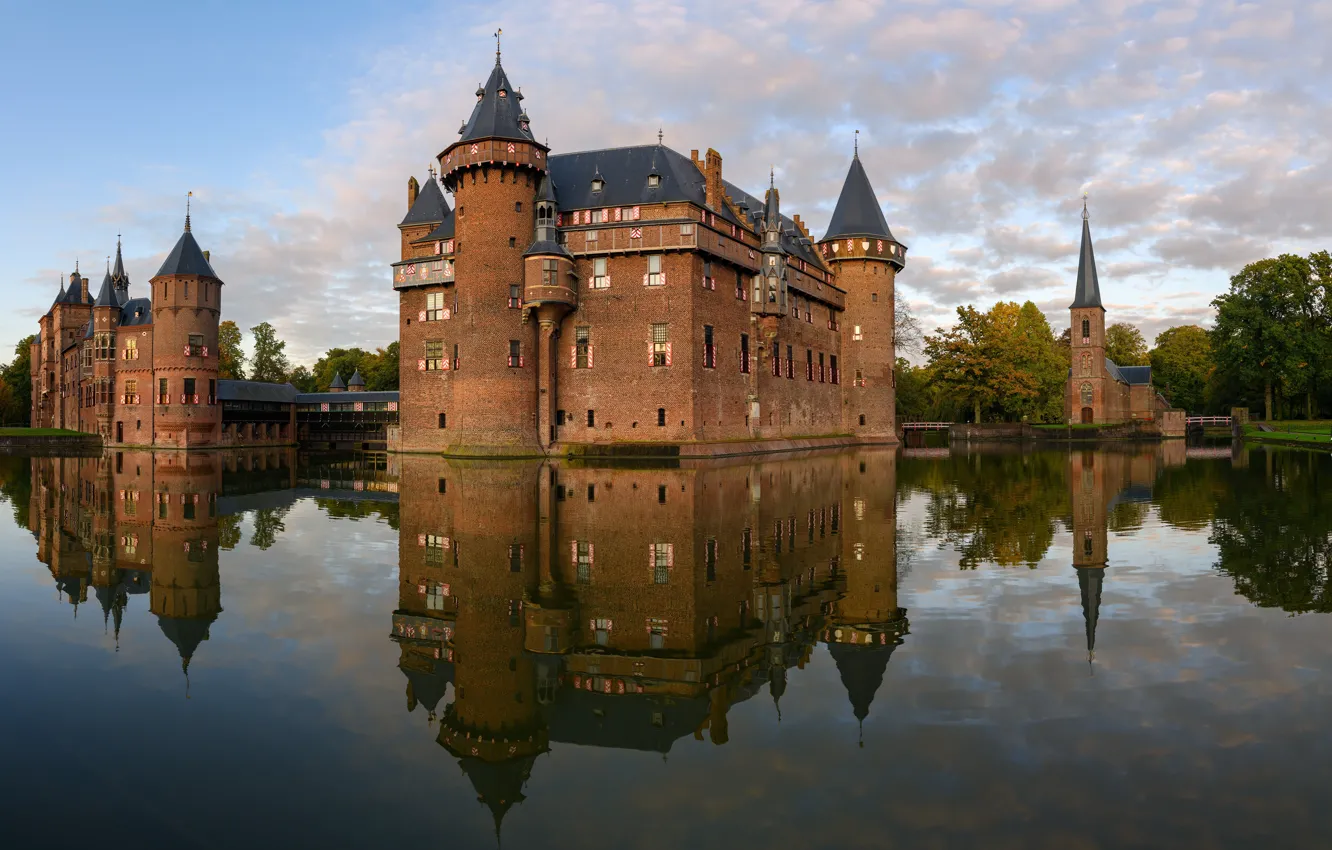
(498, 32)
(187, 258)
(188, 195)
(1088, 289)
(858, 212)
(498, 113)
(118, 270)
(855, 151)
(1090, 580)
(60, 296)
(659, 135)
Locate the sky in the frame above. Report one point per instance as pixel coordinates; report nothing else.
(1199, 130)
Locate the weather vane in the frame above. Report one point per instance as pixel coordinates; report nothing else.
(857, 144)
(498, 32)
(1084, 205)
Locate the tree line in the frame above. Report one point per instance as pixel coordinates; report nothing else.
(269, 362)
(1270, 350)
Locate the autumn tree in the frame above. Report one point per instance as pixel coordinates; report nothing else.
(962, 362)
(1182, 366)
(1125, 346)
(16, 378)
(270, 358)
(230, 357)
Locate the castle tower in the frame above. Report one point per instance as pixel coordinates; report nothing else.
(1085, 396)
(773, 263)
(119, 280)
(187, 304)
(866, 259)
(1090, 483)
(493, 171)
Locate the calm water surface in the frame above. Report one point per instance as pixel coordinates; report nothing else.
(1117, 648)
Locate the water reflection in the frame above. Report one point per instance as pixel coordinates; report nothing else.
(554, 606)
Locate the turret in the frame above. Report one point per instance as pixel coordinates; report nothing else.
(550, 293)
(773, 273)
(187, 305)
(357, 383)
(865, 259)
(337, 385)
(119, 279)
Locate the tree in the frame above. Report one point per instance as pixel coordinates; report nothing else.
(340, 361)
(230, 357)
(907, 335)
(1264, 335)
(1125, 345)
(16, 408)
(270, 359)
(913, 392)
(302, 379)
(961, 362)
(1037, 353)
(1182, 366)
(382, 373)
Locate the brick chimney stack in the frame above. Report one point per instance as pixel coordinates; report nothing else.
(711, 167)
(413, 189)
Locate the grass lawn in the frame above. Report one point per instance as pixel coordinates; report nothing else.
(1299, 431)
(40, 432)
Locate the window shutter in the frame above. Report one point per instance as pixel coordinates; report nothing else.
(651, 359)
(573, 552)
(668, 354)
(444, 365)
(635, 213)
(663, 277)
(589, 355)
(420, 365)
(652, 556)
(670, 554)
(589, 283)
(421, 317)
(573, 357)
(618, 213)
(645, 278)
(590, 550)
(520, 361)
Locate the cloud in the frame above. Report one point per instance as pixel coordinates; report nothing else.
(1199, 130)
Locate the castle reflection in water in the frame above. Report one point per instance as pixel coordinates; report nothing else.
(553, 603)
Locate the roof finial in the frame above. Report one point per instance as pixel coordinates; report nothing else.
(772, 171)
(659, 135)
(856, 153)
(1084, 207)
(188, 195)
(108, 264)
(499, 32)
(76, 265)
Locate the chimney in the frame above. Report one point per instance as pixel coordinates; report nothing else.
(208, 255)
(712, 179)
(413, 189)
(800, 225)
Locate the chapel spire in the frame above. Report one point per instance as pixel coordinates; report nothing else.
(1089, 583)
(1088, 290)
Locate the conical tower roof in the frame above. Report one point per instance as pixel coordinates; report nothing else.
(861, 669)
(338, 383)
(118, 270)
(498, 113)
(356, 379)
(1088, 291)
(186, 258)
(430, 206)
(60, 296)
(857, 212)
(498, 784)
(106, 297)
(1090, 580)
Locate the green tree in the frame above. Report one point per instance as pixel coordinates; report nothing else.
(270, 359)
(1037, 353)
(1124, 345)
(303, 379)
(382, 373)
(1182, 366)
(913, 392)
(230, 357)
(1263, 335)
(961, 362)
(268, 525)
(340, 361)
(16, 407)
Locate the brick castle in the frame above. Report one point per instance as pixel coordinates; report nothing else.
(632, 295)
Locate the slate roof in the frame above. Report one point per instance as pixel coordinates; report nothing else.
(60, 296)
(118, 271)
(1136, 374)
(356, 379)
(344, 397)
(186, 633)
(1088, 290)
(1089, 583)
(861, 669)
(107, 296)
(229, 390)
(136, 311)
(496, 117)
(430, 207)
(441, 233)
(858, 212)
(794, 243)
(624, 172)
(186, 258)
(338, 383)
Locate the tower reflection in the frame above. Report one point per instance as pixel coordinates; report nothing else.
(634, 606)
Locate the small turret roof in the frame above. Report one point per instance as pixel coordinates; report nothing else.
(106, 297)
(496, 115)
(186, 258)
(338, 382)
(430, 206)
(861, 669)
(1088, 290)
(118, 270)
(356, 379)
(858, 212)
(60, 296)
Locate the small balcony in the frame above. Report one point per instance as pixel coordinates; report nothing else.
(539, 295)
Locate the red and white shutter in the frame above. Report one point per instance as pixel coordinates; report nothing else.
(573, 357)
(589, 355)
(421, 316)
(420, 365)
(651, 359)
(668, 354)
(635, 213)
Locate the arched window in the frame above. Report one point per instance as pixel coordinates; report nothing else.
(1086, 395)
(1086, 331)
(1086, 365)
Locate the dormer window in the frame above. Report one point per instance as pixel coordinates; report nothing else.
(598, 184)
(503, 93)
(654, 181)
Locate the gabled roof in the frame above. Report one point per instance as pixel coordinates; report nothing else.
(497, 116)
(430, 207)
(1088, 290)
(444, 231)
(794, 243)
(187, 258)
(857, 212)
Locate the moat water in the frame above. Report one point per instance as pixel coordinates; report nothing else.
(1125, 647)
